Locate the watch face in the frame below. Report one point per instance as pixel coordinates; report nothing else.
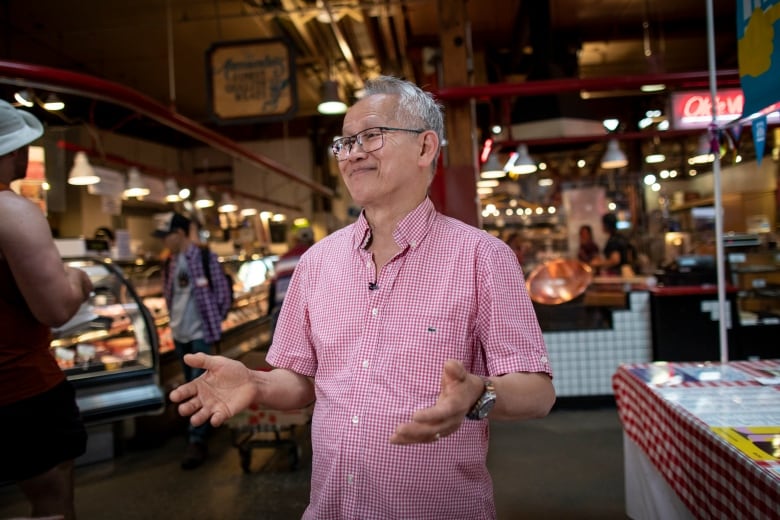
(487, 405)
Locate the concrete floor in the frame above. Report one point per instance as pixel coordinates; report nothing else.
(568, 465)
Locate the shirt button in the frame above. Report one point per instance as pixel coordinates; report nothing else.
(543, 359)
(374, 311)
(350, 479)
(365, 364)
(368, 264)
(413, 243)
(355, 419)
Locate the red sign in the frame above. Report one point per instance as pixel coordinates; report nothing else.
(694, 109)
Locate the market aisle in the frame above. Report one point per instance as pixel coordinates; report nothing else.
(568, 465)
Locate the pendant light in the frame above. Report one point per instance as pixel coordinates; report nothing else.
(53, 103)
(703, 151)
(172, 192)
(136, 187)
(614, 156)
(24, 97)
(226, 204)
(202, 198)
(492, 169)
(82, 173)
(331, 101)
(520, 163)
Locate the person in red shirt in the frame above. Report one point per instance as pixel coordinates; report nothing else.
(407, 329)
(42, 430)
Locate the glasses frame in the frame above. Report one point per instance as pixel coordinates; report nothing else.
(343, 146)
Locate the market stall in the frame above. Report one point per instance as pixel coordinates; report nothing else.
(701, 440)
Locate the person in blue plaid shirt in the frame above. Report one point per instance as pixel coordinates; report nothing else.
(196, 302)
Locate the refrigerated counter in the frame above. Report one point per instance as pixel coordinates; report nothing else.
(109, 349)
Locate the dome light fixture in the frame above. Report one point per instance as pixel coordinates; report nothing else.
(614, 156)
(136, 187)
(331, 101)
(520, 163)
(492, 169)
(82, 173)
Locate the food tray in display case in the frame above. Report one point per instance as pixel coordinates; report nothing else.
(109, 348)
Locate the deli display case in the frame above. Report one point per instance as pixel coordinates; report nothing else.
(109, 349)
(245, 328)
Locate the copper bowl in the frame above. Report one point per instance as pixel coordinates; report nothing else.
(558, 281)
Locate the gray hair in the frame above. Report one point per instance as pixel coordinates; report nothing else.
(415, 109)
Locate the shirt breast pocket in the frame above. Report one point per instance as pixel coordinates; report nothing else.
(416, 357)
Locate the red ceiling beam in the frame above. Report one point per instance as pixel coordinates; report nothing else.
(678, 80)
(65, 81)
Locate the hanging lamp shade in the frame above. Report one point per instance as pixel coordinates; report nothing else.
(172, 190)
(53, 103)
(136, 187)
(202, 198)
(492, 169)
(82, 172)
(614, 156)
(24, 97)
(226, 204)
(521, 162)
(656, 155)
(704, 152)
(331, 102)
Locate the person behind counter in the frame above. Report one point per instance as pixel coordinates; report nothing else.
(42, 432)
(588, 249)
(406, 328)
(196, 302)
(519, 246)
(618, 257)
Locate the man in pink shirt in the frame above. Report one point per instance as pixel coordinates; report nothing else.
(407, 328)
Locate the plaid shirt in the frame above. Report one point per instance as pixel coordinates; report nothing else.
(212, 300)
(377, 356)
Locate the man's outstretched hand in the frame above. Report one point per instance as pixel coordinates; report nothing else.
(224, 389)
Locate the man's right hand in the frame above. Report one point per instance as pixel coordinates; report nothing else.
(226, 388)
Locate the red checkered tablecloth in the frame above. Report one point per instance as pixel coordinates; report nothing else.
(714, 478)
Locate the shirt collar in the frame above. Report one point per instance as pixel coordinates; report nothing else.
(410, 231)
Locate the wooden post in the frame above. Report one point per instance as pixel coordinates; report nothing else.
(459, 168)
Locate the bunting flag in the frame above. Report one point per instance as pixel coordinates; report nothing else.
(759, 137)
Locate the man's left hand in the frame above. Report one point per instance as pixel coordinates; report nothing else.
(459, 391)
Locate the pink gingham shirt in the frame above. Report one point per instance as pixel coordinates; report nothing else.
(377, 355)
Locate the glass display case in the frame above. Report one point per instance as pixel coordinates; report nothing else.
(245, 328)
(109, 348)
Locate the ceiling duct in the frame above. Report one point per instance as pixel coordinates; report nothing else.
(548, 55)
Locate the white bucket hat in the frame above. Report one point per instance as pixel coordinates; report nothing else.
(17, 128)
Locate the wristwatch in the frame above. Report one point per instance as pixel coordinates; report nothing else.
(485, 403)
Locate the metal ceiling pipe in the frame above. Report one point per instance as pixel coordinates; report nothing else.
(68, 82)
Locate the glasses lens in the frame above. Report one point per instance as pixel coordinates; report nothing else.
(371, 140)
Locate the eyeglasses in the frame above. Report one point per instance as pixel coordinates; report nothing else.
(369, 140)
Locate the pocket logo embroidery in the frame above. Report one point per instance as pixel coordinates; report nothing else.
(431, 329)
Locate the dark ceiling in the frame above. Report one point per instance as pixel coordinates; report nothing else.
(159, 48)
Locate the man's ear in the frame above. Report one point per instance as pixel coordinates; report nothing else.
(430, 145)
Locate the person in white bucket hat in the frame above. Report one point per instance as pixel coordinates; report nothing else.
(43, 431)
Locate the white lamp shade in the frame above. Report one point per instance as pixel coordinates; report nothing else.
(136, 187)
(492, 169)
(82, 172)
(331, 102)
(614, 156)
(226, 204)
(704, 153)
(521, 162)
(202, 198)
(172, 190)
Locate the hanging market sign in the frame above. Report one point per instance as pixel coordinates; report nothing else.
(759, 57)
(251, 81)
(693, 109)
